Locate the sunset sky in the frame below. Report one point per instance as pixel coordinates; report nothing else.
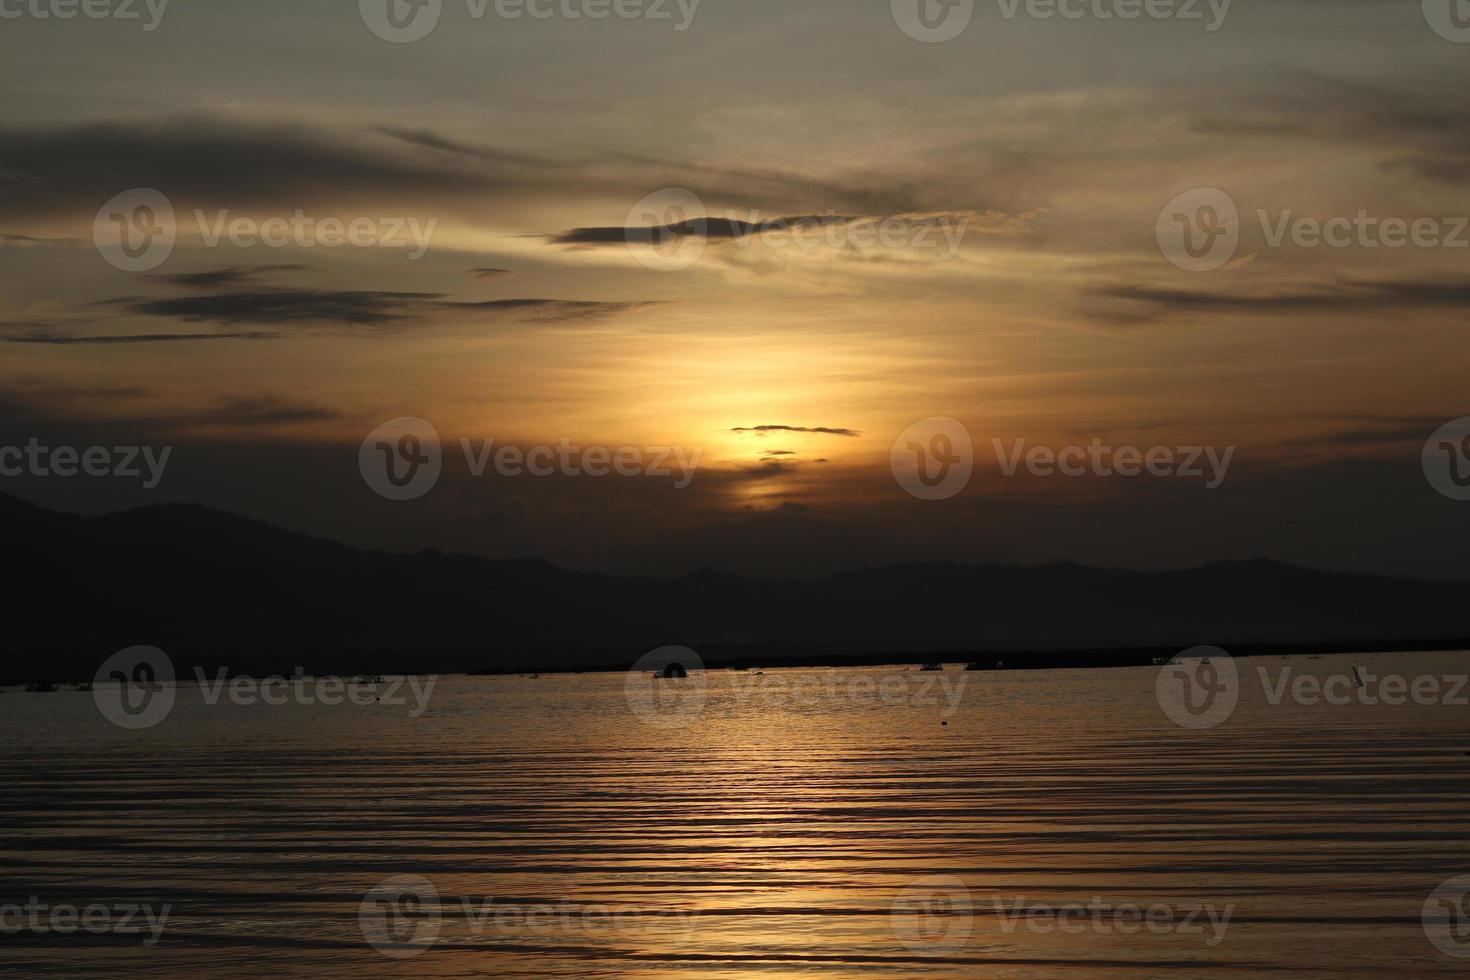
(1053, 144)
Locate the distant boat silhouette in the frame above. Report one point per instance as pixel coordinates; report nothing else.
(932, 667)
(370, 679)
(673, 671)
(41, 687)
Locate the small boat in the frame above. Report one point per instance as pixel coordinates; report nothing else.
(932, 667)
(81, 687)
(41, 687)
(369, 679)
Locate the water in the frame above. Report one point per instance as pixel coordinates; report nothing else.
(824, 824)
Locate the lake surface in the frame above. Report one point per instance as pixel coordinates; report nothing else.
(797, 823)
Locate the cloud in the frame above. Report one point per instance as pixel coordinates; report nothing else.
(227, 276)
(248, 412)
(63, 340)
(353, 307)
(818, 430)
(1350, 296)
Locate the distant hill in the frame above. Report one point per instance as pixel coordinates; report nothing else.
(213, 588)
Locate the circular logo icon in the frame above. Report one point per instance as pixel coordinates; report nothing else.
(1447, 459)
(1199, 230)
(933, 915)
(401, 21)
(667, 688)
(401, 916)
(933, 21)
(933, 459)
(135, 231)
(134, 688)
(1199, 688)
(1446, 917)
(667, 231)
(1450, 19)
(401, 459)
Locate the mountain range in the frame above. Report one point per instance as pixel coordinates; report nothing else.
(215, 589)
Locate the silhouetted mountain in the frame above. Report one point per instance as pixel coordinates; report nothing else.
(215, 589)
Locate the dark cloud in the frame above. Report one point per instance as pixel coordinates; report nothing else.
(246, 412)
(1426, 127)
(235, 275)
(353, 307)
(428, 139)
(147, 338)
(711, 229)
(818, 430)
(1343, 296)
(210, 162)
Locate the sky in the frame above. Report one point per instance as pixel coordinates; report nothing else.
(769, 237)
